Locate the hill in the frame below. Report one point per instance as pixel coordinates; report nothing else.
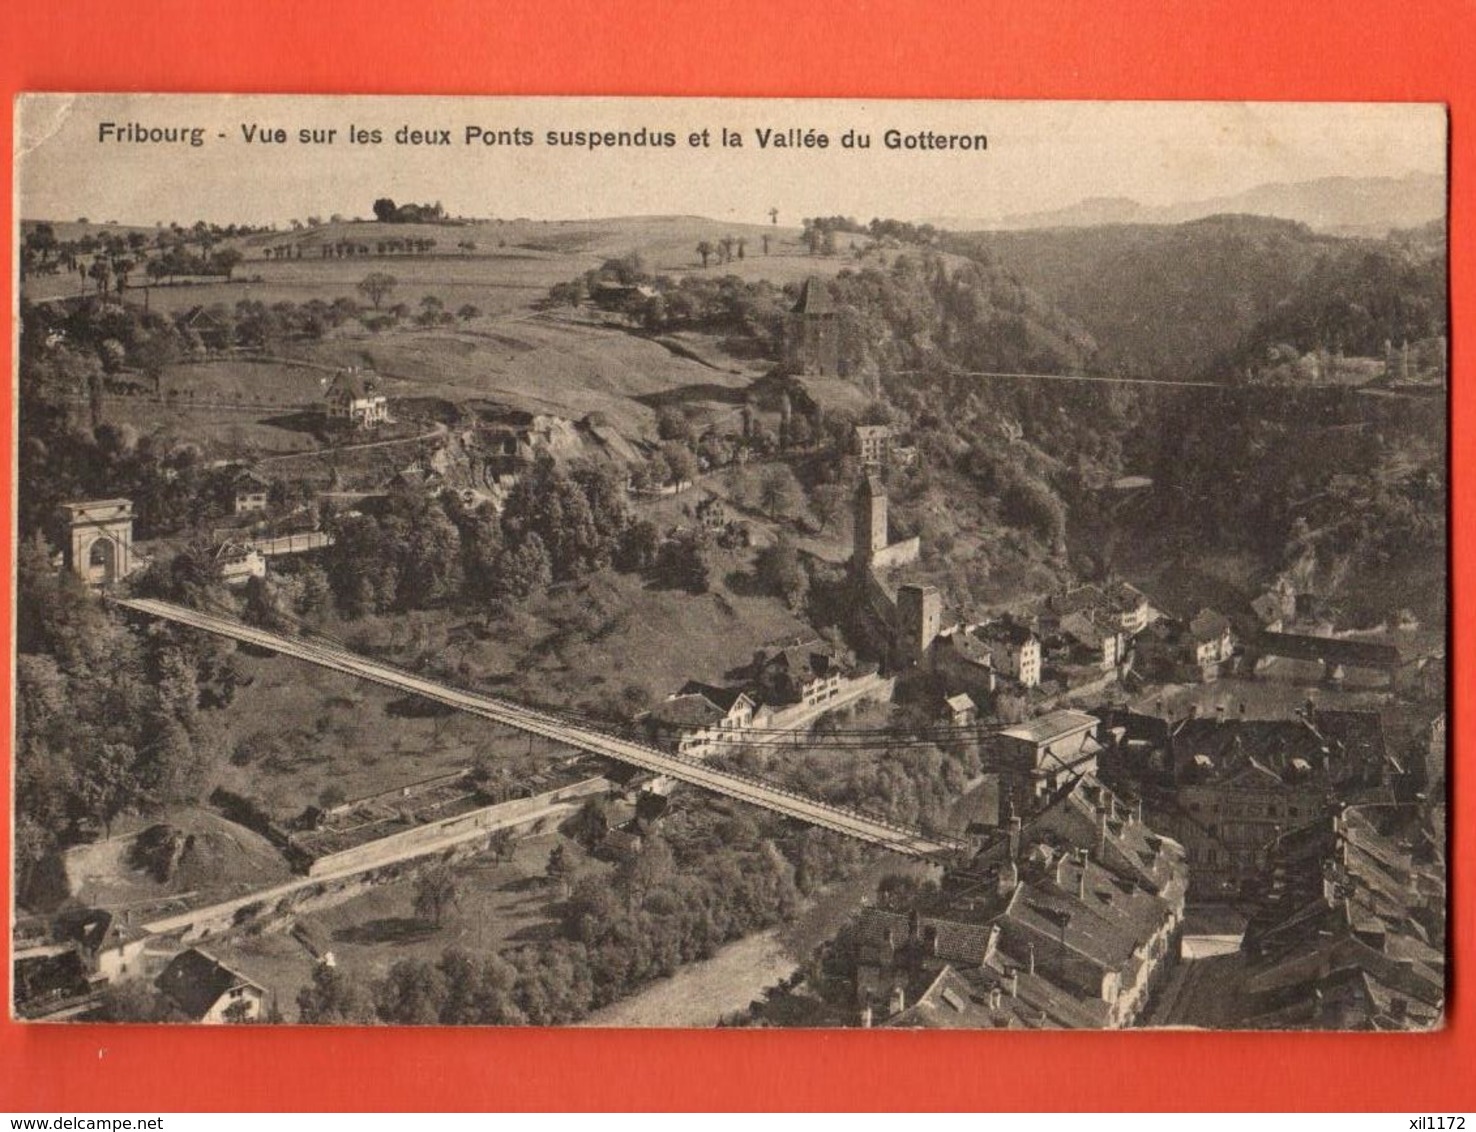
(1367, 206)
(1186, 300)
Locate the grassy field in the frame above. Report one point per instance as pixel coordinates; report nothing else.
(499, 905)
(306, 729)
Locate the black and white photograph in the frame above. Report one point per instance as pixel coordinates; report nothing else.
(740, 563)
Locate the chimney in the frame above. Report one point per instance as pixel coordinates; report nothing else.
(1219, 713)
(1031, 964)
(994, 998)
(866, 1017)
(1081, 878)
(1016, 828)
(1061, 871)
(898, 1002)
(1015, 975)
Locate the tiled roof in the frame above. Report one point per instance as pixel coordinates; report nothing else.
(196, 980)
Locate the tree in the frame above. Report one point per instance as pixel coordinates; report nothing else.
(384, 211)
(106, 784)
(335, 999)
(412, 994)
(560, 869)
(468, 311)
(778, 490)
(436, 890)
(226, 261)
(780, 572)
(502, 845)
(705, 250)
(376, 286)
(524, 568)
(680, 462)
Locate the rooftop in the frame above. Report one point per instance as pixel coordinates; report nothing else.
(1054, 725)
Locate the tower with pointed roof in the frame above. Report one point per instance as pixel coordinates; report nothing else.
(814, 333)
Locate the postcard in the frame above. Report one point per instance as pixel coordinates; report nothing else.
(754, 563)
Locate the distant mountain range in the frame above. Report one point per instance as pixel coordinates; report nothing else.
(1363, 206)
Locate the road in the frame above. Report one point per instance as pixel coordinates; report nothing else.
(580, 735)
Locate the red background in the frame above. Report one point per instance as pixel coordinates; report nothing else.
(1210, 49)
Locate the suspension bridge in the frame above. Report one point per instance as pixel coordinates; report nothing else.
(579, 734)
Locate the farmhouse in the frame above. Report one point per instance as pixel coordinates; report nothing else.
(205, 990)
(249, 493)
(701, 719)
(354, 397)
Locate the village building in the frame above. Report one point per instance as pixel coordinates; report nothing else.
(249, 493)
(237, 563)
(1067, 920)
(1186, 651)
(701, 719)
(204, 989)
(354, 397)
(1227, 787)
(1334, 660)
(813, 338)
(961, 709)
(872, 444)
(213, 328)
(1349, 931)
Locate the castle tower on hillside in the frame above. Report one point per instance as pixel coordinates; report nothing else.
(919, 619)
(869, 533)
(814, 331)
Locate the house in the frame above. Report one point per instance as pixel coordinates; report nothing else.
(249, 493)
(806, 673)
(1192, 650)
(238, 563)
(1013, 648)
(1349, 927)
(700, 719)
(1067, 920)
(113, 947)
(205, 990)
(354, 397)
(211, 325)
(961, 710)
(872, 444)
(1235, 784)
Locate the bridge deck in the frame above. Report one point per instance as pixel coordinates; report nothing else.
(897, 839)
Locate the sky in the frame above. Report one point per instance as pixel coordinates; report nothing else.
(1040, 155)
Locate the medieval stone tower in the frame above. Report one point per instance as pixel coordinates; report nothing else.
(919, 619)
(869, 536)
(814, 332)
